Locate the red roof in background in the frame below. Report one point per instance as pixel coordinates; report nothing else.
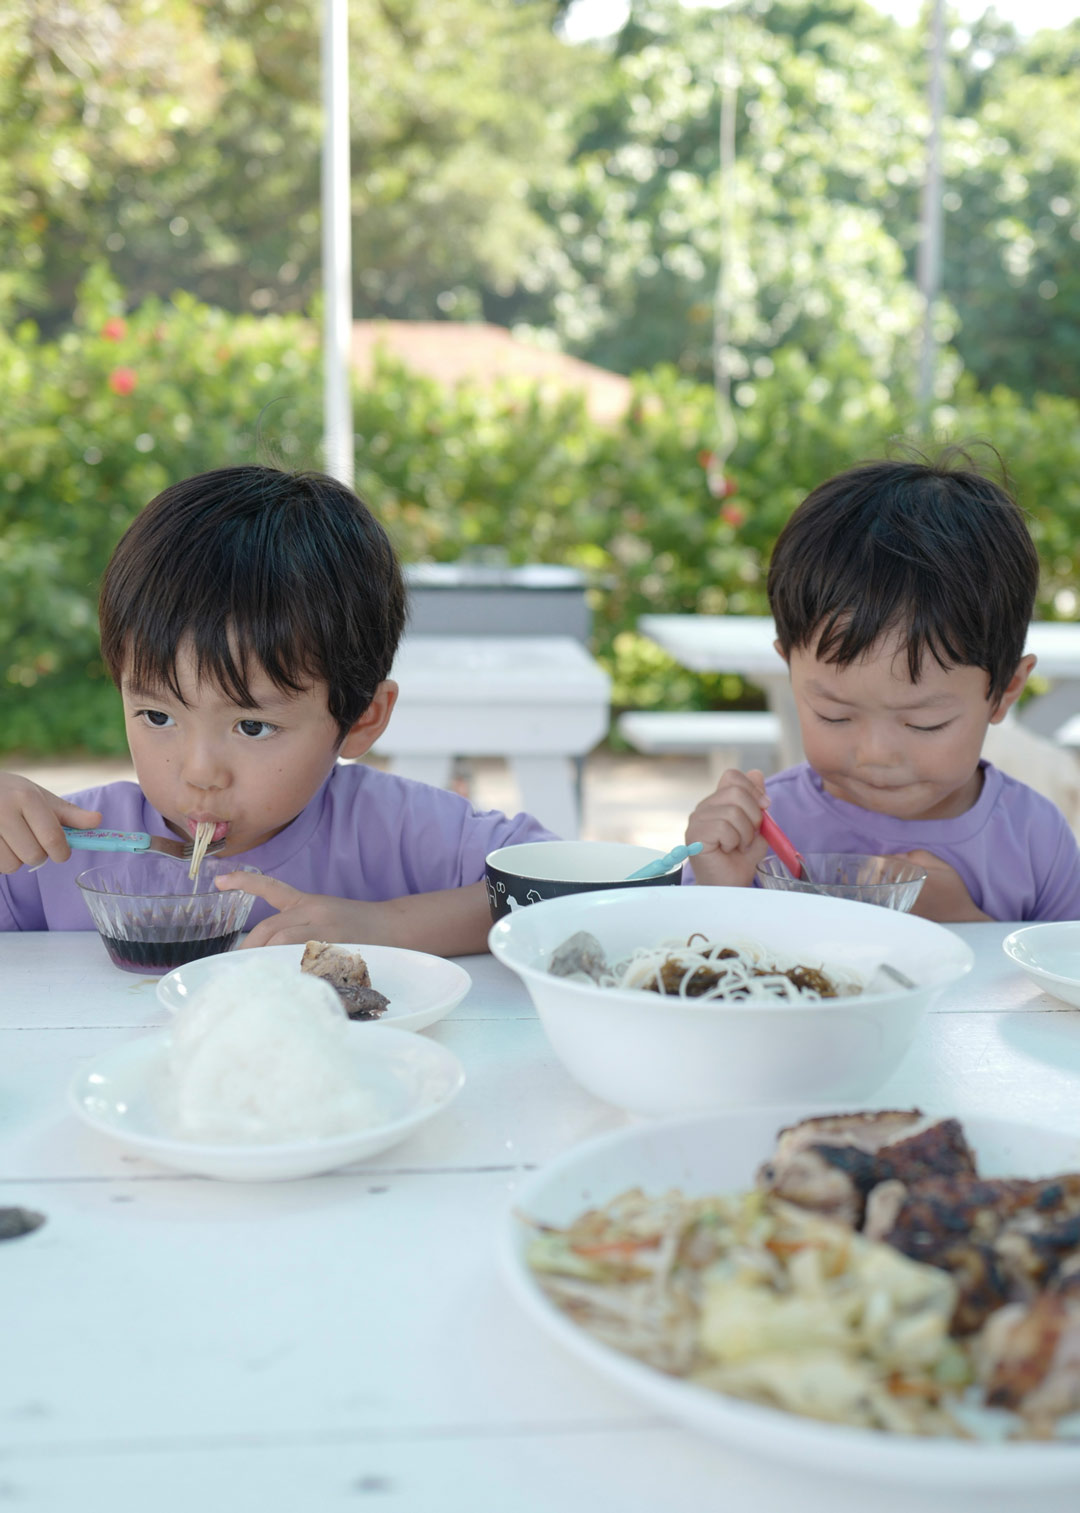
(455, 352)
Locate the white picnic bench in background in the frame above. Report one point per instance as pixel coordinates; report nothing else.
(541, 702)
(743, 644)
(495, 663)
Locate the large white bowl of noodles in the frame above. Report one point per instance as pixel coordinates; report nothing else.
(657, 1054)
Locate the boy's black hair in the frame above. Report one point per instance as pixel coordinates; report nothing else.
(256, 568)
(940, 554)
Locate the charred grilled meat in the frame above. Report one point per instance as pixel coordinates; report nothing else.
(832, 1163)
(1002, 1238)
(1028, 1354)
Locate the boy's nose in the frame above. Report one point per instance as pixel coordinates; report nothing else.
(875, 748)
(203, 767)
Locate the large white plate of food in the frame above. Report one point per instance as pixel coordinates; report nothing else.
(886, 1293)
(407, 990)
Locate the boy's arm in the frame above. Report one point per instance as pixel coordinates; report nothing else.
(453, 922)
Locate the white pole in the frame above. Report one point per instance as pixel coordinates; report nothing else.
(337, 244)
(932, 218)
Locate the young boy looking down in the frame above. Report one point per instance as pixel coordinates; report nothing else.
(902, 594)
(250, 618)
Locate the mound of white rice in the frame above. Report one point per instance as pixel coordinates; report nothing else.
(264, 1055)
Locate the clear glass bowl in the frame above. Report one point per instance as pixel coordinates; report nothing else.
(891, 881)
(152, 917)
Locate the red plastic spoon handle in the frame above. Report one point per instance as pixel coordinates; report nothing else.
(779, 842)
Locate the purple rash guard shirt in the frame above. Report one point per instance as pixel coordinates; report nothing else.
(1013, 847)
(366, 835)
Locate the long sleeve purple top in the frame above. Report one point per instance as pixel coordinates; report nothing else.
(1013, 847)
(366, 835)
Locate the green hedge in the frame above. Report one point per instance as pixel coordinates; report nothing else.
(99, 420)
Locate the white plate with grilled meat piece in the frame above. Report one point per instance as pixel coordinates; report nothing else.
(421, 988)
(720, 1154)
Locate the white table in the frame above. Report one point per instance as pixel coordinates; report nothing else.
(744, 644)
(539, 701)
(171, 1343)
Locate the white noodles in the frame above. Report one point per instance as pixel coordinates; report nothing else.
(204, 834)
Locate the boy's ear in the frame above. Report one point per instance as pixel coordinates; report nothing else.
(779, 650)
(1014, 689)
(371, 724)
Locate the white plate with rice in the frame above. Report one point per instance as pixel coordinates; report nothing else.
(401, 1081)
(421, 988)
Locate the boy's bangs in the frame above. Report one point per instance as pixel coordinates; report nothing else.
(847, 635)
(224, 657)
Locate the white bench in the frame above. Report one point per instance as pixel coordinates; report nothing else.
(540, 702)
(723, 735)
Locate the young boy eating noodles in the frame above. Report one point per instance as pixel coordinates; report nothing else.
(902, 593)
(250, 618)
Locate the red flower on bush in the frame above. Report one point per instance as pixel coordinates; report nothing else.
(123, 380)
(733, 514)
(704, 460)
(114, 329)
(721, 486)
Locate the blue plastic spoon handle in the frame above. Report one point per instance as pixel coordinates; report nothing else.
(107, 840)
(664, 864)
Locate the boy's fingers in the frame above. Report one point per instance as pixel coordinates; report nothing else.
(47, 816)
(922, 858)
(757, 778)
(23, 845)
(75, 816)
(271, 933)
(277, 894)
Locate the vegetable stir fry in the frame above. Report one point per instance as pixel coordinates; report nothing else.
(759, 1299)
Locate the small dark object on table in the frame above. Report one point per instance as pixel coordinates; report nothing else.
(15, 1222)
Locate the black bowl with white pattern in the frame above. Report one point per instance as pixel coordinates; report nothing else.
(521, 875)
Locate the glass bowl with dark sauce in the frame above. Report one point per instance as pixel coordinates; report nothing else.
(152, 917)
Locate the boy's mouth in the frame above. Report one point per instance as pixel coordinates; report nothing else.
(221, 827)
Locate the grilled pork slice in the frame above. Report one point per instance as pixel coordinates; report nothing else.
(347, 972)
(1002, 1239)
(831, 1163)
(1028, 1354)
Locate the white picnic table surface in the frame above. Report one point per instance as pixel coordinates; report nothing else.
(173, 1343)
(744, 644)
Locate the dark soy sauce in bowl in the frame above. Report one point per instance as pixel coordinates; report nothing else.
(163, 955)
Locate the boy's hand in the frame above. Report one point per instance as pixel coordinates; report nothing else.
(943, 896)
(454, 922)
(728, 825)
(31, 821)
(307, 916)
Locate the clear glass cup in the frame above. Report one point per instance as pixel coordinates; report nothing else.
(152, 917)
(891, 881)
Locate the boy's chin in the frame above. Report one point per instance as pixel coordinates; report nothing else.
(898, 803)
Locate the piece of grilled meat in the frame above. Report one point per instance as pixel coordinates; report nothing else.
(1028, 1354)
(832, 1163)
(1001, 1238)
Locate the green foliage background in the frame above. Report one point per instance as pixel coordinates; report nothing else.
(101, 417)
(568, 191)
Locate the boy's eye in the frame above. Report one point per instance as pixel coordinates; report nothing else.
(840, 719)
(925, 729)
(257, 729)
(155, 717)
